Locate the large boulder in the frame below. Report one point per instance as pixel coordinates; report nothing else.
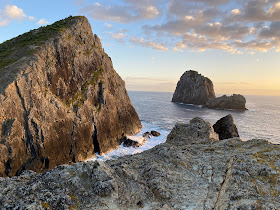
(60, 98)
(226, 128)
(196, 132)
(193, 88)
(236, 102)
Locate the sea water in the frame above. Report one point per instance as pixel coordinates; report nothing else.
(157, 112)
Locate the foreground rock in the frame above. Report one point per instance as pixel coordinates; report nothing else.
(235, 101)
(60, 98)
(226, 128)
(193, 88)
(192, 170)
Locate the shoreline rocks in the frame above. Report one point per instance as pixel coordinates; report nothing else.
(191, 170)
(193, 88)
(226, 128)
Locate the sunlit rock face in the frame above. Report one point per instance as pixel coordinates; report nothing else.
(60, 98)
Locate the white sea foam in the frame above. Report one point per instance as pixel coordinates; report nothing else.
(121, 151)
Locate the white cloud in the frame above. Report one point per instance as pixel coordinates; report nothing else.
(131, 11)
(108, 25)
(13, 13)
(42, 22)
(235, 12)
(147, 43)
(31, 18)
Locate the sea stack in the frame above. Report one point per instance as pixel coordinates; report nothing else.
(193, 88)
(61, 100)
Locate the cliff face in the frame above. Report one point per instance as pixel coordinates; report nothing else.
(192, 170)
(60, 98)
(193, 88)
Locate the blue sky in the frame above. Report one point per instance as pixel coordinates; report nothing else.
(152, 42)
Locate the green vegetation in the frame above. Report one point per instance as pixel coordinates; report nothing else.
(80, 96)
(14, 49)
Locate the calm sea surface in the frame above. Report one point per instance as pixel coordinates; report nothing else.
(261, 121)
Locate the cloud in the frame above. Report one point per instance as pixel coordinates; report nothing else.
(199, 25)
(42, 22)
(271, 32)
(147, 43)
(119, 36)
(11, 13)
(108, 25)
(130, 11)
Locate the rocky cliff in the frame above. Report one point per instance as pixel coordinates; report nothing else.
(235, 101)
(192, 170)
(60, 98)
(193, 88)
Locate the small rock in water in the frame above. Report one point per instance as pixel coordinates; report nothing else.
(226, 128)
(155, 133)
(133, 141)
(147, 135)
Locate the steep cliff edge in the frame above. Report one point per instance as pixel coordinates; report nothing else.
(193, 88)
(60, 98)
(192, 170)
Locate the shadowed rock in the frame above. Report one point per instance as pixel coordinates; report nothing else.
(60, 98)
(193, 88)
(236, 101)
(155, 133)
(226, 128)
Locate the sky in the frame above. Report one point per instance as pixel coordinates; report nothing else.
(236, 43)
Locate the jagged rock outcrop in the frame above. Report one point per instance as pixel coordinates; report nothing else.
(236, 101)
(226, 128)
(60, 98)
(193, 88)
(192, 170)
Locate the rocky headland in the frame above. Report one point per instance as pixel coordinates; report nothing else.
(193, 88)
(193, 169)
(61, 100)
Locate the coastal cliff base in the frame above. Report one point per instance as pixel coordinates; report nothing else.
(192, 170)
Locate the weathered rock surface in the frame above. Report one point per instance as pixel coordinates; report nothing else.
(236, 101)
(226, 128)
(192, 170)
(60, 98)
(193, 88)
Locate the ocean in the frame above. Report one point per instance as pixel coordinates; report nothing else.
(157, 112)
